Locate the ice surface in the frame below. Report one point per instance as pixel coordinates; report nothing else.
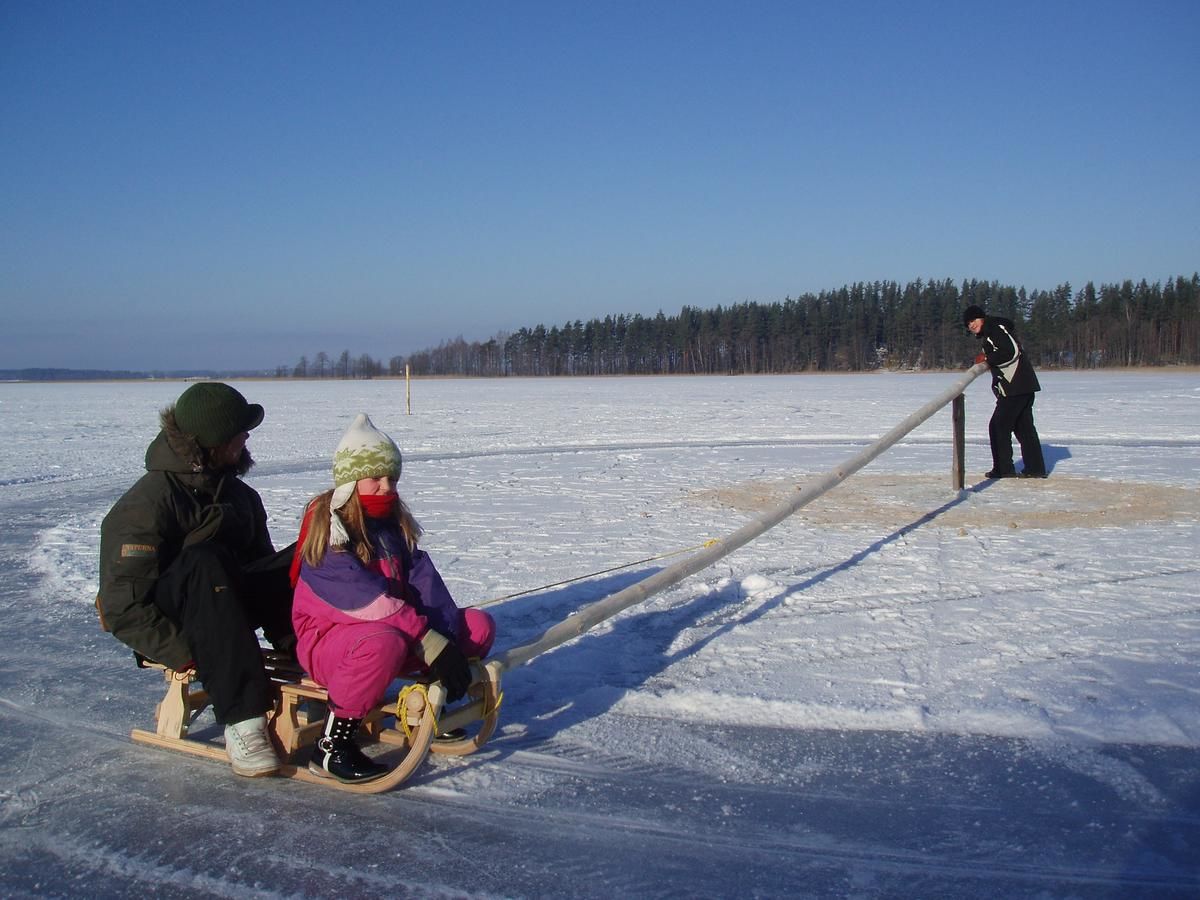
(902, 690)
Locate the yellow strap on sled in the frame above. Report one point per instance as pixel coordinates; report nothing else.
(499, 699)
(478, 661)
(402, 713)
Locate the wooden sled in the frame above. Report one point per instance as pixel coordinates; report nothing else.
(299, 711)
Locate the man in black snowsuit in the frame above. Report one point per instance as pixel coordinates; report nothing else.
(188, 570)
(1014, 383)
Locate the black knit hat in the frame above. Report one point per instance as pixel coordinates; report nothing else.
(971, 313)
(213, 413)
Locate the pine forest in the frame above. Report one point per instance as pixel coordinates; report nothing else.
(861, 327)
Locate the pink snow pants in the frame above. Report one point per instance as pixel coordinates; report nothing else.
(373, 655)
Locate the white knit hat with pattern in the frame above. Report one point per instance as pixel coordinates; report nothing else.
(363, 452)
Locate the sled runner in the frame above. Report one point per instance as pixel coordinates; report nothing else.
(409, 721)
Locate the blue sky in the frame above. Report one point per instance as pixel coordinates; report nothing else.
(235, 185)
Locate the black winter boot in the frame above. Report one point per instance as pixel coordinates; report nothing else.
(336, 755)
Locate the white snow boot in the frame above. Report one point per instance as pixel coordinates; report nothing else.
(249, 748)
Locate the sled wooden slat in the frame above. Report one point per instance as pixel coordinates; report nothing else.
(192, 747)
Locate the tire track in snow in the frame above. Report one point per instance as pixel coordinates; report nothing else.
(697, 818)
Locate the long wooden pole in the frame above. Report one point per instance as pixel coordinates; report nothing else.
(597, 612)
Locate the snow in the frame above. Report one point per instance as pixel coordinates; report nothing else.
(902, 690)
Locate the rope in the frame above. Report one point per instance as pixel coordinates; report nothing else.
(636, 562)
(402, 711)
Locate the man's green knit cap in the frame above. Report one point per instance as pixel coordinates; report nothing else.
(213, 413)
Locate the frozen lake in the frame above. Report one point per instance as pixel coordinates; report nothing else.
(902, 690)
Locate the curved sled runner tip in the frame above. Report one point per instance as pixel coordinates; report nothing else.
(482, 707)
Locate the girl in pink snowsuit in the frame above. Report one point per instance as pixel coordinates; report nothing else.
(369, 604)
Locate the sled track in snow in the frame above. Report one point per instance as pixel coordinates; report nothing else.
(754, 847)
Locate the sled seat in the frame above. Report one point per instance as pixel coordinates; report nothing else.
(294, 725)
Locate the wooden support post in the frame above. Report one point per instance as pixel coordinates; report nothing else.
(174, 713)
(959, 464)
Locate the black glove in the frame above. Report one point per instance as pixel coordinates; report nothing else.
(451, 668)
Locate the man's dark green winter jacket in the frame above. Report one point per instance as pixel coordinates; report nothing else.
(177, 503)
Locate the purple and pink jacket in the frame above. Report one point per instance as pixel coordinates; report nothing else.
(358, 626)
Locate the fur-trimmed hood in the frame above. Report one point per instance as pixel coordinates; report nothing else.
(173, 450)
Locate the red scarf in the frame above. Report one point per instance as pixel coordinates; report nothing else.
(378, 506)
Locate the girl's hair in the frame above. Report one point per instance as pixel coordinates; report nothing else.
(316, 542)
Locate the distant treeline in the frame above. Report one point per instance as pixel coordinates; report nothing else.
(857, 328)
(47, 374)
